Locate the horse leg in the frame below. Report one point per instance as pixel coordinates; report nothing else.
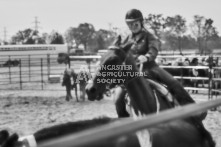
(83, 92)
(67, 83)
(68, 93)
(197, 85)
(216, 87)
(203, 83)
(120, 102)
(194, 85)
(76, 93)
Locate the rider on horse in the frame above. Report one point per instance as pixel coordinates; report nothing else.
(145, 49)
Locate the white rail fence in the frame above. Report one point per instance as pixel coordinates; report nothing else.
(210, 79)
(41, 69)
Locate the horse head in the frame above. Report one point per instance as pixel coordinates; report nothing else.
(103, 76)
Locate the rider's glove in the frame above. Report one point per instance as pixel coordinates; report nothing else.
(142, 58)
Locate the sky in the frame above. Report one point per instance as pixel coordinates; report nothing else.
(59, 15)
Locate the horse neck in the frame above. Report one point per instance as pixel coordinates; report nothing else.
(141, 95)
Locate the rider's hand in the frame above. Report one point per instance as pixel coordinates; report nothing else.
(142, 59)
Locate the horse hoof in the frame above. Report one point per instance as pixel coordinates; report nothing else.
(67, 99)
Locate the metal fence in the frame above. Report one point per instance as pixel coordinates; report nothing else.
(28, 72)
(36, 72)
(211, 82)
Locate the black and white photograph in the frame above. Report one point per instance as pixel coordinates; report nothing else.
(110, 73)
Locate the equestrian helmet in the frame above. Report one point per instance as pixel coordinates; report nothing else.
(134, 15)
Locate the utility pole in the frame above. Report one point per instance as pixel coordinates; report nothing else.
(5, 34)
(36, 23)
(34, 34)
(110, 26)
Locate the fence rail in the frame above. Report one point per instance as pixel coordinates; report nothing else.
(210, 79)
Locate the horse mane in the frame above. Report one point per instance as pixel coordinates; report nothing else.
(70, 127)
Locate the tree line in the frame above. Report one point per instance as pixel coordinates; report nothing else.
(173, 33)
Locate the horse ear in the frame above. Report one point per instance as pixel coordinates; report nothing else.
(117, 42)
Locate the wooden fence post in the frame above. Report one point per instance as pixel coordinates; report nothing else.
(210, 83)
(42, 82)
(48, 65)
(9, 69)
(20, 74)
(182, 81)
(29, 67)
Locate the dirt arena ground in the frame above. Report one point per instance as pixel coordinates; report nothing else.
(25, 112)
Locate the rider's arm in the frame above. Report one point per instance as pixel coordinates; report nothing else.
(152, 40)
(153, 45)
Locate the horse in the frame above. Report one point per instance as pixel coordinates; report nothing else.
(143, 102)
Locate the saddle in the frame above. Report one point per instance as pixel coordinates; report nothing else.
(157, 88)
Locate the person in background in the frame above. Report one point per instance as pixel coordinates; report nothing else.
(67, 76)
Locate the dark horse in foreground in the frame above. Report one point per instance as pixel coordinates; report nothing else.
(178, 133)
(188, 132)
